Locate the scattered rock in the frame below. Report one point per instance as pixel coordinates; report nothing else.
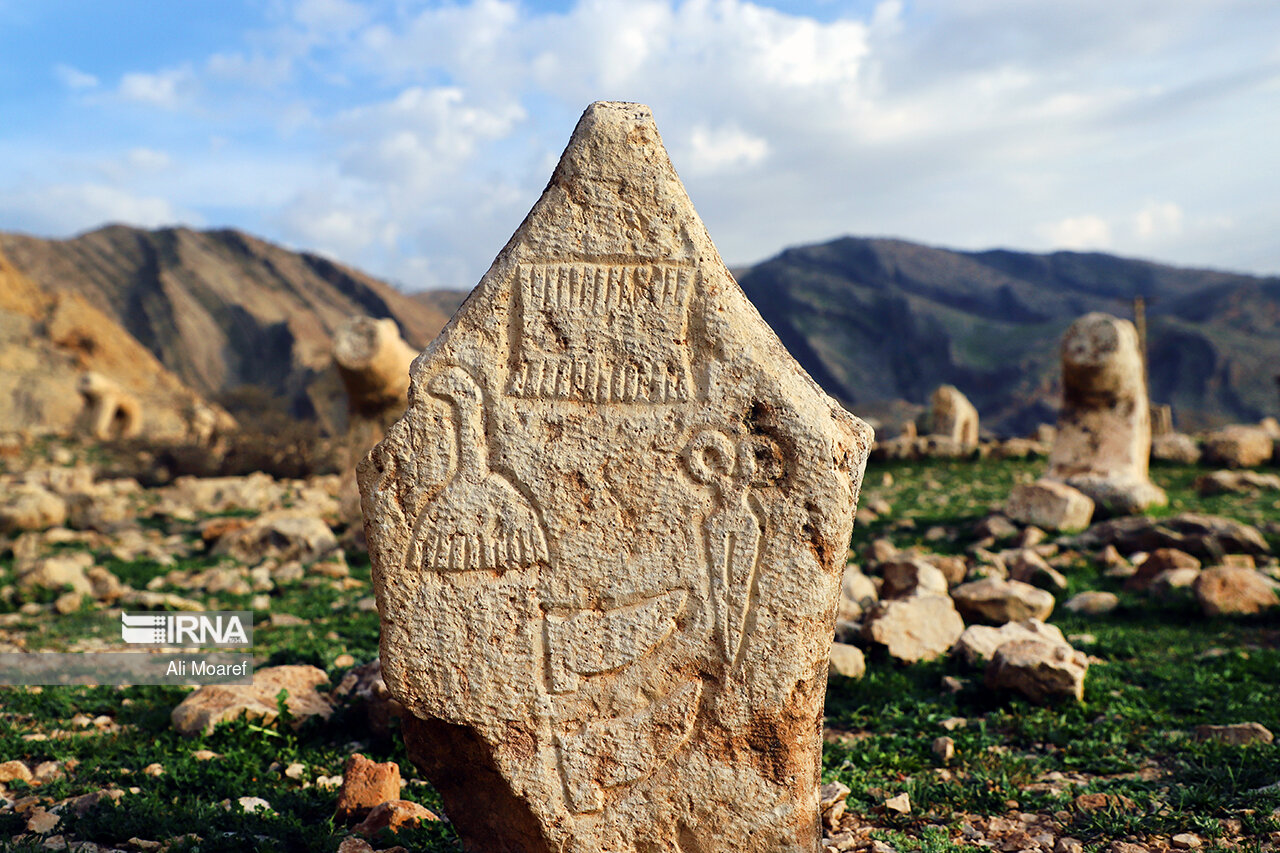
(900, 804)
(944, 748)
(365, 784)
(1044, 672)
(1168, 584)
(213, 704)
(1236, 482)
(911, 576)
(1027, 566)
(61, 570)
(1236, 734)
(847, 661)
(1230, 589)
(996, 527)
(26, 506)
(1175, 447)
(832, 802)
(41, 821)
(916, 628)
(282, 535)
(1050, 505)
(998, 601)
(1186, 841)
(858, 594)
(394, 815)
(953, 568)
(1157, 562)
(1206, 537)
(1238, 446)
(978, 643)
(15, 771)
(1092, 603)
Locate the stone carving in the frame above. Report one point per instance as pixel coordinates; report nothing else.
(1103, 442)
(733, 531)
(603, 333)
(609, 532)
(479, 520)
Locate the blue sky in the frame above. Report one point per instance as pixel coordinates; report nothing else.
(410, 138)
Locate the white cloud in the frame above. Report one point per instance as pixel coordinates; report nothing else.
(419, 135)
(1079, 232)
(724, 149)
(167, 88)
(336, 16)
(1158, 220)
(69, 208)
(74, 78)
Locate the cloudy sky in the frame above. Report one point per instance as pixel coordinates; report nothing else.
(410, 138)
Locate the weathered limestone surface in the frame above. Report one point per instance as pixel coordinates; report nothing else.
(609, 533)
(1103, 444)
(954, 417)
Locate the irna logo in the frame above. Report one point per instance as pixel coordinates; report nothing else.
(214, 628)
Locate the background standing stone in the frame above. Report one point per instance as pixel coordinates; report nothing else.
(1103, 443)
(608, 535)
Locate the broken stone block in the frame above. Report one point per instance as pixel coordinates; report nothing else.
(978, 643)
(1103, 445)
(911, 576)
(1042, 671)
(1157, 562)
(916, 628)
(215, 703)
(1236, 482)
(1175, 447)
(1231, 589)
(366, 784)
(997, 601)
(847, 661)
(1092, 603)
(608, 534)
(1239, 446)
(1050, 505)
(1235, 734)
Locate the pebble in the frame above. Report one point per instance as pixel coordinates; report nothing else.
(900, 804)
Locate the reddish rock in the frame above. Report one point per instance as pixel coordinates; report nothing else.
(365, 784)
(1158, 562)
(394, 815)
(1229, 589)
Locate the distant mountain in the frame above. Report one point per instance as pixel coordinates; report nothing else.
(222, 309)
(49, 341)
(880, 320)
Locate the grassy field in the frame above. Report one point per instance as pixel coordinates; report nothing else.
(1158, 670)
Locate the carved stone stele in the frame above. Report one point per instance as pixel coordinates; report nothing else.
(608, 534)
(1103, 442)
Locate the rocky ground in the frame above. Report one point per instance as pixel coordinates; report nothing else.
(994, 685)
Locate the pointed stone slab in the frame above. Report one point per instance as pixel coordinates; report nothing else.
(608, 534)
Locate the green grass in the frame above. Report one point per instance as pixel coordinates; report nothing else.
(1157, 674)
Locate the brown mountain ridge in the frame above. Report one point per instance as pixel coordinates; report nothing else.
(875, 321)
(222, 309)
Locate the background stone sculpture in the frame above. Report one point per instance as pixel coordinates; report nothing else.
(608, 535)
(955, 417)
(110, 412)
(1103, 442)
